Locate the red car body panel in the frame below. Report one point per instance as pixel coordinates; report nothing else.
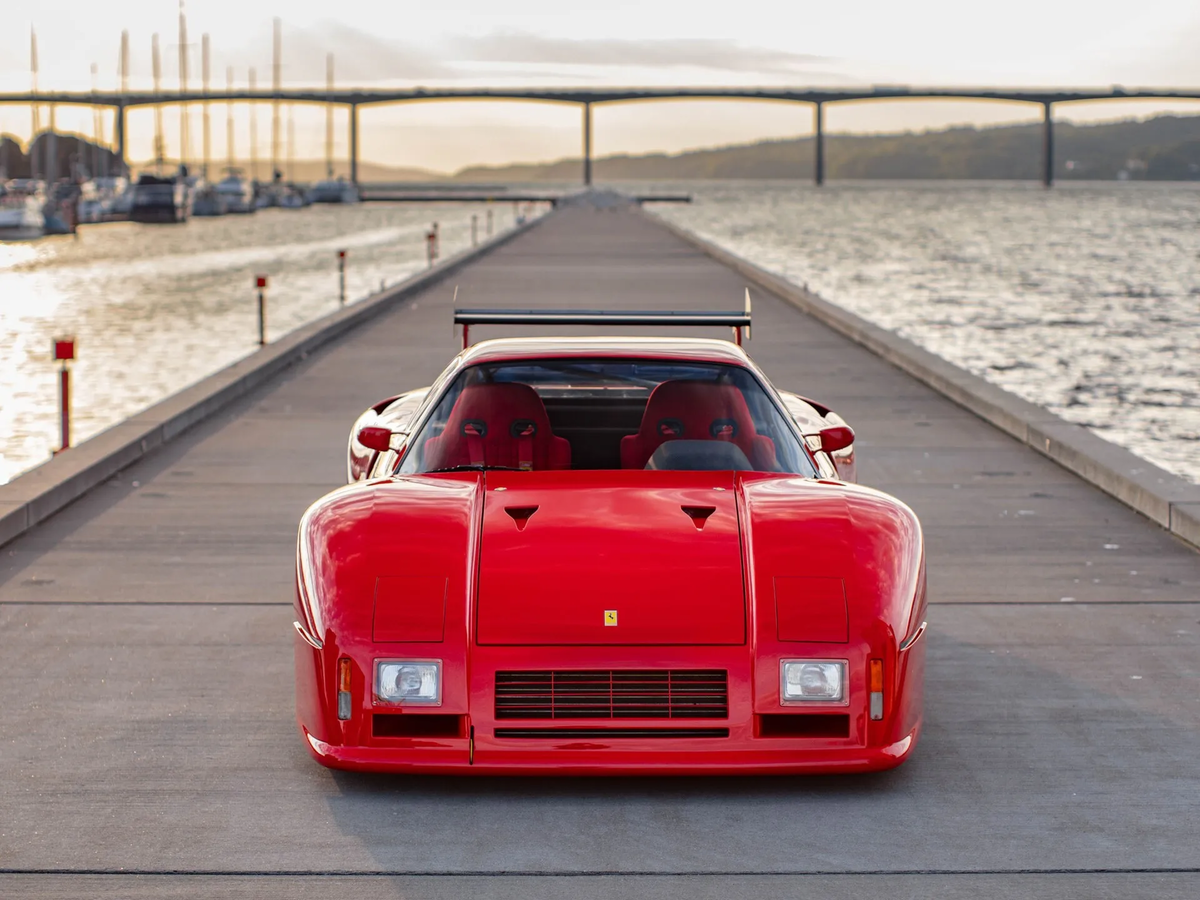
(610, 540)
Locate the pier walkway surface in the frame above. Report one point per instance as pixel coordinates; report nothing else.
(147, 740)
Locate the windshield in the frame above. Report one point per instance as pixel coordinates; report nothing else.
(606, 414)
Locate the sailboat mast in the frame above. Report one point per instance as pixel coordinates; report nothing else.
(159, 148)
(119, 115)
(96, 122)
(291, 143)
(185, 149)
(205, 74)
(329, 116)
(253, 129)
(33, 65)
(229, 154)
(275, 79)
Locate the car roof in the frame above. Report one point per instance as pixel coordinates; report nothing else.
(676, 348)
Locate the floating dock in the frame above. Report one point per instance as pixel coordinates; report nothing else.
(149, 747)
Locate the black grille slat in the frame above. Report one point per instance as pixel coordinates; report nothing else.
(611, 733)
(613, 694)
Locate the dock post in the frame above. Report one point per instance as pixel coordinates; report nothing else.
(819, 143)
(474, 229)
(354, 143)
(260, 282)
(489, 220)
(64, 352)
(342, 277)
(587, 144)
(1047, 145)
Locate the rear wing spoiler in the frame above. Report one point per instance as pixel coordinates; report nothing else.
(738, 321)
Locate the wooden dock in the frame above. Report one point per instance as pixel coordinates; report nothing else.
(147, 741)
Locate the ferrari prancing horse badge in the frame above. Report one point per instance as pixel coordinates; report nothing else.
(610, 617)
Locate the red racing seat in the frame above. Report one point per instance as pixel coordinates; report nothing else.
(498, 425)
(697, 410)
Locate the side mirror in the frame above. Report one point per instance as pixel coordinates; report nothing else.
(375, 438)
(834, 438)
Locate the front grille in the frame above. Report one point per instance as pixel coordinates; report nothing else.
(613, 694)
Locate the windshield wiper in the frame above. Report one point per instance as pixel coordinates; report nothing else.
(475, 468)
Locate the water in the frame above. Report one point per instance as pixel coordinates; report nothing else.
(1084, 299)
(156, 308)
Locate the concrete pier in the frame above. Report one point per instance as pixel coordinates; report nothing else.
(149, 748)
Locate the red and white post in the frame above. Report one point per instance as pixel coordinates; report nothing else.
(260, 281)
(342, 277)
(64, 352)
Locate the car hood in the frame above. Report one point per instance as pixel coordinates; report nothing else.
(639, 558)
(611, 558)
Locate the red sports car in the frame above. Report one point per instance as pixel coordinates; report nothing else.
(599, 555)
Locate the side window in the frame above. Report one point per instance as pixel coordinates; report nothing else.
(414, 460)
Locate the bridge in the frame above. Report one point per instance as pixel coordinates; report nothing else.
(587, 98)
(150, 749)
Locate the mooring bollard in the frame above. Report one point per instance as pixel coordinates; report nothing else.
(342, 277)
(431, 247)
(474, 229)
(64, 352)
(261, 282)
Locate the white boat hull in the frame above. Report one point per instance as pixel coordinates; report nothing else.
(21, 222)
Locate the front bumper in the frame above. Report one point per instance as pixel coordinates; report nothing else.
(516, 756)
(472, 738)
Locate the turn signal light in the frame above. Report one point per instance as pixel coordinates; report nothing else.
(876, 679)
(343, 697)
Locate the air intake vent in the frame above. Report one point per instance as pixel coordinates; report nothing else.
(613, 694)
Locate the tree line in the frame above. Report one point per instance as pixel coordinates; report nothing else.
(1164, 148)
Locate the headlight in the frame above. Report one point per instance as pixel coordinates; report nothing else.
(400, 681)
(812, 680)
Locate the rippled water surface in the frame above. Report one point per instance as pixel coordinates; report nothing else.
(1084, 299)
(157, 307)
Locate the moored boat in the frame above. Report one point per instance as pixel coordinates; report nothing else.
(335, 190)
(237, 192)
(208, 201)
(21, 211)
(159, 199)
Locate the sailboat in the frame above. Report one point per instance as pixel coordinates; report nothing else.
(235, 189)
(209, 200)
(22, 199)
(332, 190)
(21, 215)
(158, 197)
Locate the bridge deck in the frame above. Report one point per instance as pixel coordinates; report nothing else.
(146, 708)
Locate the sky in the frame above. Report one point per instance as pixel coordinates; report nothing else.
(478, 43)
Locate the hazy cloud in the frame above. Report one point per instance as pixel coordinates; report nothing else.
(359, 57)
(703, 53)
(363, 58)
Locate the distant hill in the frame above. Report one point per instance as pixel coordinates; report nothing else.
(1162, 148)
